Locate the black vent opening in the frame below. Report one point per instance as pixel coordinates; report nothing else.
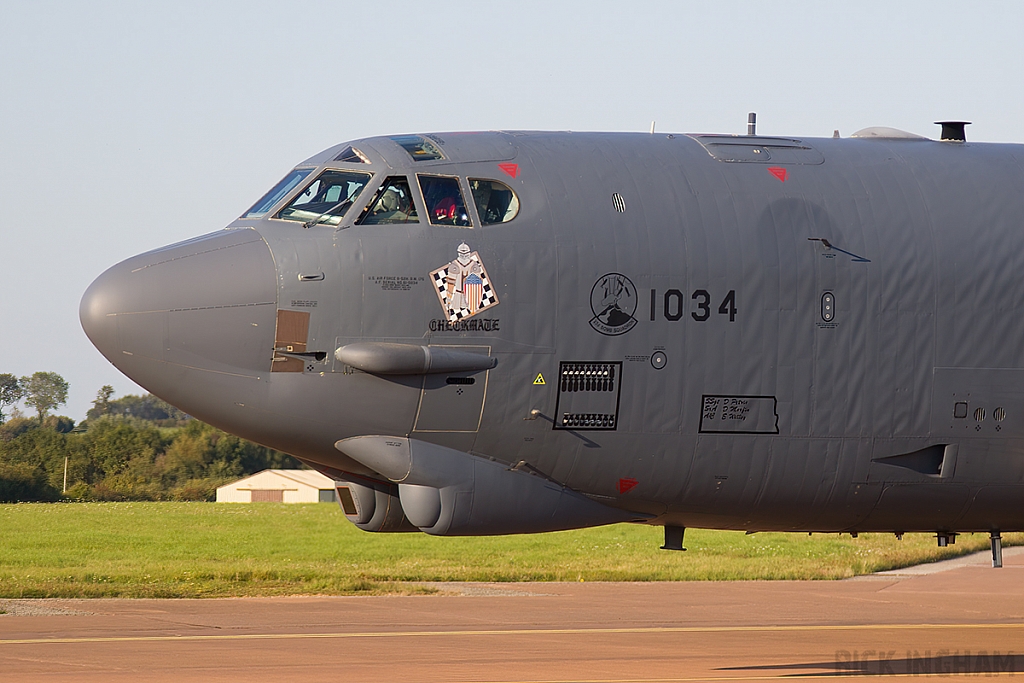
(925, 461)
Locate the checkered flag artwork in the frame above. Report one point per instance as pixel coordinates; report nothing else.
(477, 293)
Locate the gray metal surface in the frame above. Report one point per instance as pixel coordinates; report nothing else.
(713, 331)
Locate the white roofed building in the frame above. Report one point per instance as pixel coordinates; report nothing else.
(279, 486)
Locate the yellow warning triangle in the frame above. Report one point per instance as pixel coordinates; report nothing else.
(540, 379)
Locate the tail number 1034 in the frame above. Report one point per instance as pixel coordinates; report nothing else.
(673, 305)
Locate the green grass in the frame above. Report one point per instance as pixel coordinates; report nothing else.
(163, 550)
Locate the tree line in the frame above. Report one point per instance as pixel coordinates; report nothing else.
(129, 448)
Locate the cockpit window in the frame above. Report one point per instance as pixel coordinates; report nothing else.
(280, 190)
(495, 202)
(443, 198)
(326, 199)
(351, 155)
(420, 149)
(393, 204)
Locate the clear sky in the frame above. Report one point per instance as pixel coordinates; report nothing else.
(129, 125)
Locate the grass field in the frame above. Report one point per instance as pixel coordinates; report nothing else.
(215, 550)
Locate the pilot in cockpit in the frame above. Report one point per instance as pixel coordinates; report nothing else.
(394, 205)
(444, 210)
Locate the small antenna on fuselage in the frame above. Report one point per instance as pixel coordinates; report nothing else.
(652, 127)
(953, 131)
(752, 123)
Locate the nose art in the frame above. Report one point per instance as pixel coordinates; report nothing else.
(206, 303)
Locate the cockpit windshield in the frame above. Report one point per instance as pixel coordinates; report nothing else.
(443, 198)
(495, 202)
(326, 199)
(418, 148)
(266, 203)
(393, 204)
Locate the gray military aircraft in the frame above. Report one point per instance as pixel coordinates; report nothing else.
(515, 332)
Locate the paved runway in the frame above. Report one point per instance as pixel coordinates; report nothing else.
(967, 621)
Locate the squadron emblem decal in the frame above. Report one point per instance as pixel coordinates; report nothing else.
(463, 287)
(613, 302)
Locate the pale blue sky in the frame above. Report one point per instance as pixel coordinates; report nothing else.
(125, 125)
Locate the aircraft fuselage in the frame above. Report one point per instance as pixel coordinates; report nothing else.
(714, 331)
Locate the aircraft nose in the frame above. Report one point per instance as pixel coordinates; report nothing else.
(208, 303)
(97, 312)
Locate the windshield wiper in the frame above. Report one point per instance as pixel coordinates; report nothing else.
(330, 212)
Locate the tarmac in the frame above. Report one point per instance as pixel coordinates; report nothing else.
(948, 620)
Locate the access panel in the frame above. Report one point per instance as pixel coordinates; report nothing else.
(453, 402)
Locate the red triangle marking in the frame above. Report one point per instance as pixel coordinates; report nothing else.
(778, 172)
(511, 169)
(627, 484)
